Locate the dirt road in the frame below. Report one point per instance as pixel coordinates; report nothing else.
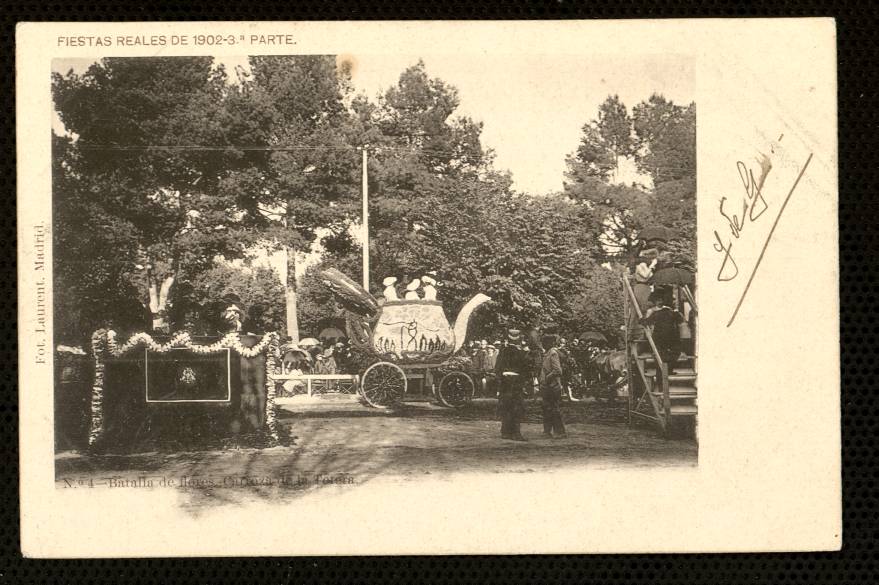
(347, 442)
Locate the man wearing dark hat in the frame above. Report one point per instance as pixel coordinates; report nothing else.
(512, 370)
(235, 319)
(551, 389)
(233, 313)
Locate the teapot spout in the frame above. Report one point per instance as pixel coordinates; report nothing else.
(463, 318)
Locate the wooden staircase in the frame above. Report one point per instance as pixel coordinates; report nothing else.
(668, 399)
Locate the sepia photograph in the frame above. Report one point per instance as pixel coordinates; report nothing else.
(274, 268)
(394, 288)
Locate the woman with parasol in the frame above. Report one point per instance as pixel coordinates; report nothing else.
(653, 240)
(647, 261)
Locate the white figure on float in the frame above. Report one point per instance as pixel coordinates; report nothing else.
(429, 287)
(390, 290)
(412, 290)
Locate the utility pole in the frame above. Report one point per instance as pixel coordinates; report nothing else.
(290, 299)
(365, 221)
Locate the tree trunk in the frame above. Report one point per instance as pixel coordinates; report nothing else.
(159, 296)
(290, 296)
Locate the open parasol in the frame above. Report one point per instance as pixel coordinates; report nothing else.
(300, 351)
(656, 233)
(593, 336)
(308, 342)
(677, 276)
(330, 333)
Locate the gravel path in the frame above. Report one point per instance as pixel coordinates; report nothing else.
(345, 442)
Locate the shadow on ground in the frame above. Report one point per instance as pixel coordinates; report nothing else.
(350, 445)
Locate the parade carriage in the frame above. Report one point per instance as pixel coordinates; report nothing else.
(400, 340)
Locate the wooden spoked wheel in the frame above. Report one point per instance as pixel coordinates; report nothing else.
(456, 389)
(383, 384)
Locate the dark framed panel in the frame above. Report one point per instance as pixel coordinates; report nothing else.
(183, 376)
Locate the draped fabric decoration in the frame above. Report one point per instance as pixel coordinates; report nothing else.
(104, 343)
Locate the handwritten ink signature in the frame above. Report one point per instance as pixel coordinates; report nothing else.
(754, 205)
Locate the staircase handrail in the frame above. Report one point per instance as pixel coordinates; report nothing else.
(661, 368)
(690, 299)
(689, 294)
(647, 330)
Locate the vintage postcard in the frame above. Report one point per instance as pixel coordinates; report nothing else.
(428, 287)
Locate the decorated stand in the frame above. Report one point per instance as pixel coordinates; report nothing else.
(232, 370)
(667, 398)
(406, 338)
(72, 397)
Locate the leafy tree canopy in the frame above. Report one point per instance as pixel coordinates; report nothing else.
(666, 139)
(169, 172)
(660, 138)
(198, 305)
(597, 304)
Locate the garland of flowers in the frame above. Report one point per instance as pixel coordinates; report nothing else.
(273, 354)
(97, 418)
(182, 339)
(104, 342)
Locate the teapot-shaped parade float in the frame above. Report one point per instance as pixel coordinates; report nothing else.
(408, 334)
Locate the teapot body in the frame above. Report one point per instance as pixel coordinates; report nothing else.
(413, 331)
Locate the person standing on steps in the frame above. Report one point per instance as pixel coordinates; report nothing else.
(647, 262)
(551, 389)
(513, 371)
(666, 331)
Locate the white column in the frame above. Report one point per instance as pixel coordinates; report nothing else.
(365, 223)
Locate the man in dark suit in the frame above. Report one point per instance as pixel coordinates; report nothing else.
(665, 322)
(512, 369)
